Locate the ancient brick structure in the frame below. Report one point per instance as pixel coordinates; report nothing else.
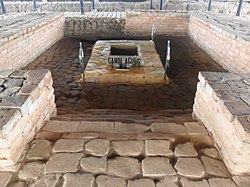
(26, 103)
(27, 36)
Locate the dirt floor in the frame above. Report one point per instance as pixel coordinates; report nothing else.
(187, 59)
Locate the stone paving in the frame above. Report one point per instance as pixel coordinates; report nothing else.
(66, 153)
(187, 59)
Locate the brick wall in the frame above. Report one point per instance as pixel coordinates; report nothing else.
(140, 23)
(222, 104)
(119, 25)
(224, 41)
(25, 37)
(26, 103)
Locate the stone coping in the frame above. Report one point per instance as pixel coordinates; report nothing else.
(12, 27)
(150, 72)
(18, 91)
(232, 26)
(26, 101)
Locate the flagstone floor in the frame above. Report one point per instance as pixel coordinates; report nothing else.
(187, 59)
(108, 135)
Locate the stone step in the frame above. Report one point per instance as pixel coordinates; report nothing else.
(147, 117)
(173, 127)
(166, 112)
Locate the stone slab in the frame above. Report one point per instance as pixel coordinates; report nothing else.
(47, 181)
(108, 181)
(185, 150)
(68, 145)
(158, 148)
(93, 164)
(31, 170)
(78, 180)
(214, 167)
(63, 163)
(157, 167)
(124, 167)
(128, 148)
(190, 167)
(40, 150)
(141, 182)
(97, 147)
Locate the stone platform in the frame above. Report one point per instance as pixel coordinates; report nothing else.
(222, 103)
(151, 71)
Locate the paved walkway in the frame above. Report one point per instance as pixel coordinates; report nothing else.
(186, 61)
(170, 149)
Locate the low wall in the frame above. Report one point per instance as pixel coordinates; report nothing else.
(25, 104)
(222, 104)
(121, 25)
(26, 36)
(225, 38)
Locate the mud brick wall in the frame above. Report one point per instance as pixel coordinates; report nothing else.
(120, 25)
(222, 103)
(25, 37)
(26, 101)
(225, 39)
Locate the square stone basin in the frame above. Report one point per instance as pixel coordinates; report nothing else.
(99, 70)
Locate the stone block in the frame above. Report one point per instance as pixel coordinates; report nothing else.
(78, 180)
(47, 180)
(8, 120)
(68, 145)
(141, 182)
(158, 148)
(190, 167)
(157, 167)
(128, 148)
(97, 147)
(63, 163)
(214, 167)
(40, 150)
(123, 167)
(93, 164)
(31, 170)
(130, 127)
(185, 150)
(107, 181)
(171, 128)
(22, 103)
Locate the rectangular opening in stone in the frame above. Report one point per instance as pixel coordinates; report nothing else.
(124, 51)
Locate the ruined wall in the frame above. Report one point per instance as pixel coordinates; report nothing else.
(25, 36)
(222, 104)
(95, 25)
(119, 25)
(27, 101)
(225, 38)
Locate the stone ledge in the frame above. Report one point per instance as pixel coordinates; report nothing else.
(22, 111)
(221, 103)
